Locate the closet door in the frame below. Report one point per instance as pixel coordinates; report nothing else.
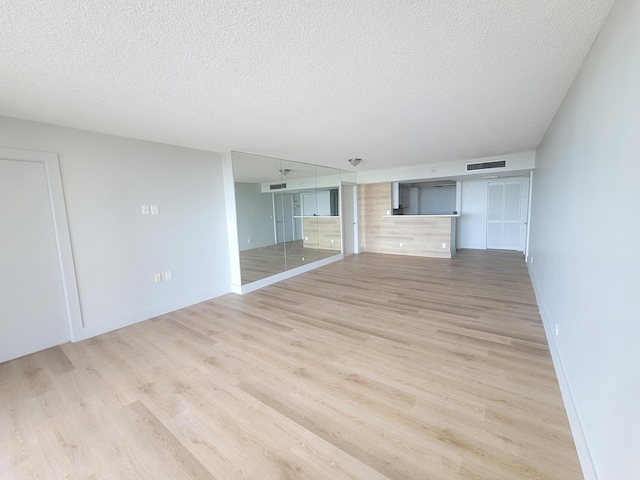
(503, 214)
(33, 311)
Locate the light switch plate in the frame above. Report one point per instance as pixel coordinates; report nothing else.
(145, 209)
(154, 210)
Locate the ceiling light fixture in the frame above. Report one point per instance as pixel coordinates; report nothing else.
(355, 161)
(285, 171)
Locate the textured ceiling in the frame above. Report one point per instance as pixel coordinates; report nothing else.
(395, 82)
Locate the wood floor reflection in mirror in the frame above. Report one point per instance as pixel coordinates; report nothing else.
(374, 367)
(259, 263)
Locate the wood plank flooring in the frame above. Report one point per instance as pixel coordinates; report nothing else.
(259, 263)
(374, 367)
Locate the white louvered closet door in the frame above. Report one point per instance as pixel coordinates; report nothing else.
(503, 214)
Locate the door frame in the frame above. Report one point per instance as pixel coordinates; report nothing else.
(60, 230)
(528, 223)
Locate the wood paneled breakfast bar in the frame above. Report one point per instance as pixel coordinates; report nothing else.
(418, 235)
(321, 232)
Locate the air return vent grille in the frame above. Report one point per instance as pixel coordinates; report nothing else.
(277, 186)
(486, 165)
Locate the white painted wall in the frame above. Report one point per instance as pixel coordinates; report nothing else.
(232, 224)
(324, 202)
(517, 164)
(305, 183)
(473, 222)
(316, 203)
(585, 260)
(285, 224)
(437, 200)
(255, 216)
(116, 250)
(349, 215)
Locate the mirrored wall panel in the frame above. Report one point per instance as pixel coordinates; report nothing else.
(288, 214)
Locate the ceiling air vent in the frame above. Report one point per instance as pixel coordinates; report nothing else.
(277, 186)
(486, 165)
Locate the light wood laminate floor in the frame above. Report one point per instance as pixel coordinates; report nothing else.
(259, 263)
(373, 367)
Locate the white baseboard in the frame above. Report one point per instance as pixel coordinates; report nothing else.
(582, 446)
(145, 314)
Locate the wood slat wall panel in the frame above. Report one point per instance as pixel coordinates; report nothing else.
(420, 236)
(322, 232)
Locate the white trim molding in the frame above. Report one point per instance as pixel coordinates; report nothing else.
(61, 230)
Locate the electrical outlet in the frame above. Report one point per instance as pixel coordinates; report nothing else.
(531, 261)
(557, 329)
(444, 245)
(154, 210)
(145, 209)
(168, 275)
(401, 244)
(248, 240)
(158, 277)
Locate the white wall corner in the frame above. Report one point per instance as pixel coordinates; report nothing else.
(232, 221)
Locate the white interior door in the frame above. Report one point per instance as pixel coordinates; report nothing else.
(33, 310)
(503, 215)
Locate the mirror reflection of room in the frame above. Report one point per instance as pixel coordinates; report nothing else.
(287, 214)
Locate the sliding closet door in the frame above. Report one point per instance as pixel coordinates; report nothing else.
(503, 214)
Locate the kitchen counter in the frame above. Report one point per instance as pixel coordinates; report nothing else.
(419, 235)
